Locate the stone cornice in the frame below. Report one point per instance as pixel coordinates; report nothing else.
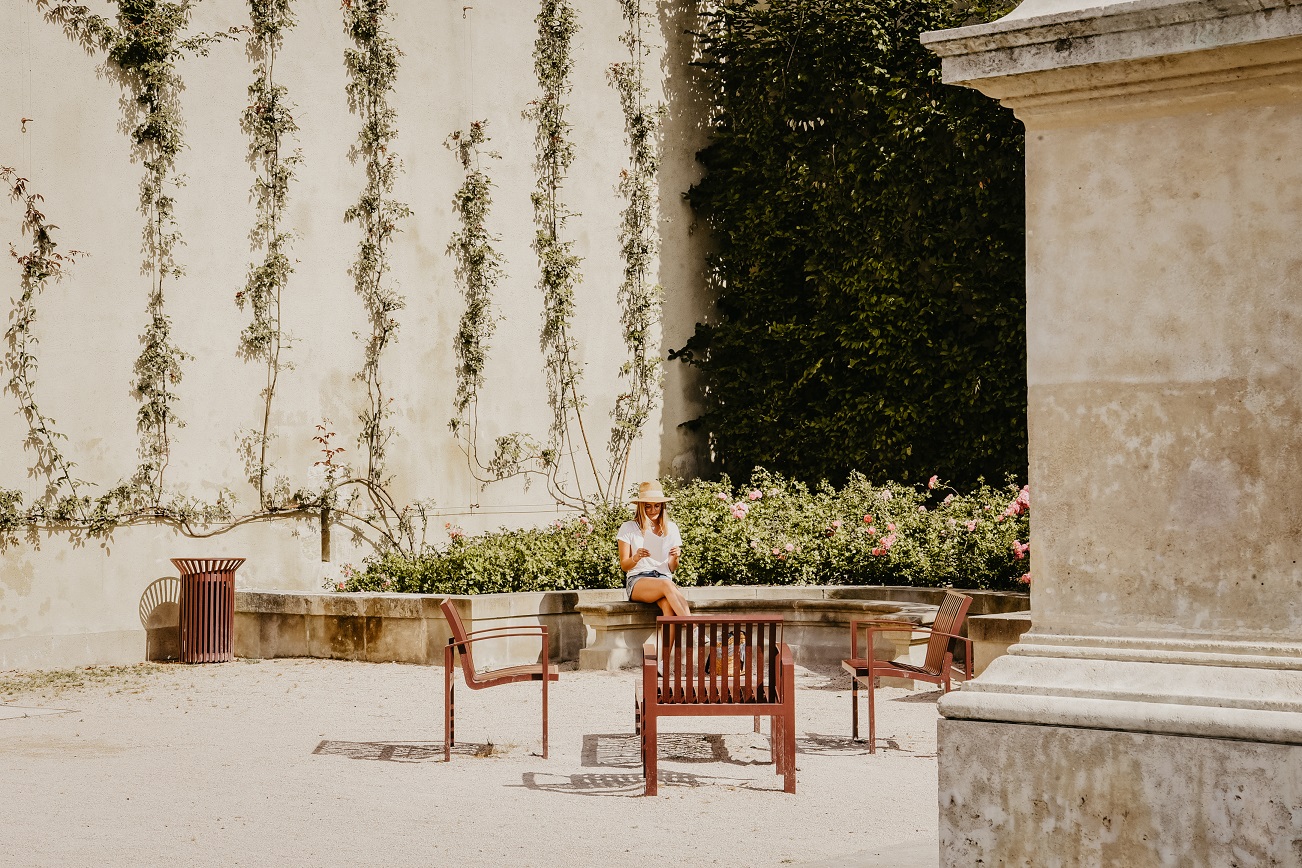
(1042, 48)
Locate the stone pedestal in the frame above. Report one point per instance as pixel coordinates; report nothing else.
(1153, 714)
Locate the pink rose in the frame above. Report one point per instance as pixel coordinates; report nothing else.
(776, 551)
(971, 525)
(886, 494)
(948, 498)
(867, 519)
(755, 494)
(890, 526)
(583, 519)
(754, 543)
(931, 483)
(789, 547)
(922, 509)
(879, 551)
(836, 523)
(1025, 578)
(722, 495)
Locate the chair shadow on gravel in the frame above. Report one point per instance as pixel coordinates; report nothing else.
(624, 750)
(622, 785)
(389, 751)
(930, 696)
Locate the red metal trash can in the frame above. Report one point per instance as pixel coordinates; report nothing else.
(207, 608)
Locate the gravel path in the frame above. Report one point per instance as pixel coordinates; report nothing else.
(319, 762)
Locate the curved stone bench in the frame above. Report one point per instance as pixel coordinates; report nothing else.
(818, 630)
(410, 628)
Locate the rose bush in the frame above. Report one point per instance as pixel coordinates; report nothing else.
(770, 531)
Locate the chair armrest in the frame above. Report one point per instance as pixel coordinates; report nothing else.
(899, 627)
(471, 639)
(540, 627)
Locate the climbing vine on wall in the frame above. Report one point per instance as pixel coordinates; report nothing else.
(268, 120)
(639, 295)
(40, 265)
(372, 68)
(142, 50)
(559, 267)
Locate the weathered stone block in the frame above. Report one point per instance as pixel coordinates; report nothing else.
(1065, 797)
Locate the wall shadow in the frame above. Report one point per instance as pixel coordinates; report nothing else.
(160, 615)
(685, 244)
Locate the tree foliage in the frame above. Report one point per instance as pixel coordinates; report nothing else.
(869, 266)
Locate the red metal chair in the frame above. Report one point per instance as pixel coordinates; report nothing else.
(936, 669)
(461, 642)
(694, 667)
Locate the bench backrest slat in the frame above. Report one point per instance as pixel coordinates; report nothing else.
(713, 659)
(949, 619)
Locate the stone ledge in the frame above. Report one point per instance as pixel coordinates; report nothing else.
(816, 629)
(410, 627)
(993, 635)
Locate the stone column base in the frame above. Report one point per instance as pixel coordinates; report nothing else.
(1055, 797)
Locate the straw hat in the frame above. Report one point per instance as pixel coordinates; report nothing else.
(651, 492)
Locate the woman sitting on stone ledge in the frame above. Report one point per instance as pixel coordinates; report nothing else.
(649, 547)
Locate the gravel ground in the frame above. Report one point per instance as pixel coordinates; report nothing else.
(321, 762)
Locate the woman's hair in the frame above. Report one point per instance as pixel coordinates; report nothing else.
(643, 519)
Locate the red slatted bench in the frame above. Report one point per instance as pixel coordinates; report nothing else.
(686, 672)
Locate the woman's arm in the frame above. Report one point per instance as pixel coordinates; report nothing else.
(628, 559)
(672, 563)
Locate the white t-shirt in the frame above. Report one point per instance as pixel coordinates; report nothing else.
(657, 545)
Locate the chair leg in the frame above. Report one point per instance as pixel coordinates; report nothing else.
(649, 747)
(447, 704)
(854, 708)
(872, 713)
(775, 743)
(789, 750)
(544, 710)
(757, 723)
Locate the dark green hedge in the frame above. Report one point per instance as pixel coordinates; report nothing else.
(869, 265)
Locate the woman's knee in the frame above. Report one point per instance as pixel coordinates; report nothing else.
(649, 590)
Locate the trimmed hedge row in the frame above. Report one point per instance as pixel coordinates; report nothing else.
(770, 531)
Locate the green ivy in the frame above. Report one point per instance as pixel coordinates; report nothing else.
(868, 223)
(372, 68)
(40, 265)
(143, 46)
(268, 121)
(639, 294)
(558, 265)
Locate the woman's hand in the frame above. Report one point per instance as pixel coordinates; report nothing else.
(673, 559)
(641, 553)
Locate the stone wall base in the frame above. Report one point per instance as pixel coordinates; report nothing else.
(112, 648)
(1059, 797)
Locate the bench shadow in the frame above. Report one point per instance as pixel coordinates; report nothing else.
(390, 751)
(623, 785)
(624, 749)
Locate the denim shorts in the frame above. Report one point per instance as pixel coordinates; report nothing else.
(631, 580)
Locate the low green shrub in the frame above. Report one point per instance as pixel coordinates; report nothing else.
(772, 531)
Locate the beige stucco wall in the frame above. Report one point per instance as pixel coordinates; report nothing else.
(458, 65)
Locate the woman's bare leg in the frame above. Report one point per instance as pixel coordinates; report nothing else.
(652, 590)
